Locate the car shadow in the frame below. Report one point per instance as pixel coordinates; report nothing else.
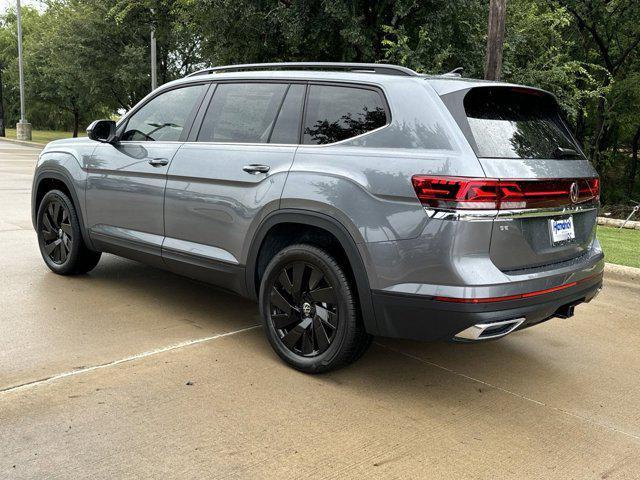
(187, 299)
(390, 367)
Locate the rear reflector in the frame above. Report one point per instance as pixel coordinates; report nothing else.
(497, 194)
(519, 296)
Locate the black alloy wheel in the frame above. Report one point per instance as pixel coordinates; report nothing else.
(304, 309)
(56, 231)
(309, 310)
(60, 236)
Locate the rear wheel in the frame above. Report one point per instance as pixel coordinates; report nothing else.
(60, 237)
(309, 312)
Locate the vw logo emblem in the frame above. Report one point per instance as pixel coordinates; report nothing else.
(574, 192)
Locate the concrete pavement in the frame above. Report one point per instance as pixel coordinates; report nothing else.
(132, 372)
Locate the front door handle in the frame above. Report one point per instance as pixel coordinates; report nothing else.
(254, 169)
(158, 162)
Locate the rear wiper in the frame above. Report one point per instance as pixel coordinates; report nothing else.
(561, 152)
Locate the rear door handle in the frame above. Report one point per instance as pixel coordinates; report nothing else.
(158, 162)
(254, 169)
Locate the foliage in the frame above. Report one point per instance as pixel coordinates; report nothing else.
(89, 58)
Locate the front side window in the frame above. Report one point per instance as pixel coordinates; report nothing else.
(242, 112)
(163, 118)
(518, 123)
(337, 113)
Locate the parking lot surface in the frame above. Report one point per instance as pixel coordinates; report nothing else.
(132, 372)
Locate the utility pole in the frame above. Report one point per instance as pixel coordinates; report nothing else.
(495, 39)
(154, 70)
(2, 125)
(23, 129)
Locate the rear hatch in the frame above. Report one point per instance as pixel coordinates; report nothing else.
(548, 191)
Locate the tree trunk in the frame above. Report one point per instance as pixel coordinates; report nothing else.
(76, 123)
(580, 124)
(598, 143)
(495, 40)
(633, 167)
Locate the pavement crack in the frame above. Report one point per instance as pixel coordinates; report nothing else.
(137, 356)
(512, 393)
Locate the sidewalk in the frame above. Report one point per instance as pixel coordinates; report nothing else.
(23, 142)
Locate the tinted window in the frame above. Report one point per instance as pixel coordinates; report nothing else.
(337, 113)
(163, 118)
(242, 112)
(287, 125)
(517, 123)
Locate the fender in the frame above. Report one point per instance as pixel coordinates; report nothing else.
(46, 174)
(338, 230)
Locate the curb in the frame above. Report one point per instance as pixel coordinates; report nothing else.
(615, 222)
(622, 272)
(23, 142)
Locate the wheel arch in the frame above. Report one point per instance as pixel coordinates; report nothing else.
(47, 180)
(300, 220)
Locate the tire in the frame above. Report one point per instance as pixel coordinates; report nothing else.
(60, 238)
(309, 312)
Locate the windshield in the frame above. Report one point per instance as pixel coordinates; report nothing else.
(518, 123)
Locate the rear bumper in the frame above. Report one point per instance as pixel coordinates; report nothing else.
(419, 317)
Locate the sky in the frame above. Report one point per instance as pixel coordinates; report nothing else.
(7, 4)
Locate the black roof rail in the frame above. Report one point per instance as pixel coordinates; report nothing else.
(380, 68)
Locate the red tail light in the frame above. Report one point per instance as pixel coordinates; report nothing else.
(495, 194)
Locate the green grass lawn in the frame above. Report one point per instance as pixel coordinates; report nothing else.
(620, 246)
(41, 136)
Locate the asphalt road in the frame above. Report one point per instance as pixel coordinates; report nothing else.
(132, 372)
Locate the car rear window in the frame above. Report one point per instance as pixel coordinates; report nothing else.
(518, 123)
(335, 113)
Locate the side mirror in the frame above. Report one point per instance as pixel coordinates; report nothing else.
(103, 131)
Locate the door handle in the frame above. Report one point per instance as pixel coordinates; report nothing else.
(254, 169)
(158, 162)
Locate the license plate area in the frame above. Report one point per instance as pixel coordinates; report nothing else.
(562, 230)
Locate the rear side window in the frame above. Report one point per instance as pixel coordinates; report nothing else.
(518, 123)
(336, 113)
(242, 112)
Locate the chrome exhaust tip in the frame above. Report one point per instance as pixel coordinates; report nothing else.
(488, 331)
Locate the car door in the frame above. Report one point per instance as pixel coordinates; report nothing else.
(230, 177)
(126, 181)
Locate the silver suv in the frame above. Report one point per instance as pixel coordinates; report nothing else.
(350, 200)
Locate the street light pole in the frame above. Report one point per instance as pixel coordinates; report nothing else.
(154, 74)
(23, 129)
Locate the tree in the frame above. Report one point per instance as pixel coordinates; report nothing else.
(89, 58)
(610, 38)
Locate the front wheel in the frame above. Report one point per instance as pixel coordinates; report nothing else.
(309, 312)
(60, 237)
